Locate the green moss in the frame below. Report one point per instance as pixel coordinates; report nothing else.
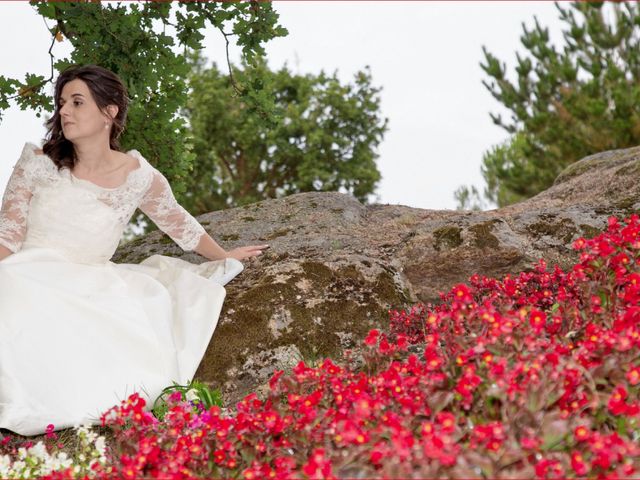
(548, 225)
(351, 304)
(165, 239)
(626, 203)
(278, 233)
(408, 219)
(590, 163)
(248, 219)
(337, 210)
(447, 237)
(229, 236)
(588, 231)
(313, 204)
(336, 244)
(482, 236)
(135, 242)
(574, 170)
(631, 169)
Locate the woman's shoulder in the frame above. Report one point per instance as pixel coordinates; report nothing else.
(33, 158)
(31, 150)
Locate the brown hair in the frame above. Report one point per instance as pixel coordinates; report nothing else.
(106, 89)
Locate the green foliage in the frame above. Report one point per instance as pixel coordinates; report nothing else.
(126, 39)
(564, 103)
(324, 137)
(195, 391)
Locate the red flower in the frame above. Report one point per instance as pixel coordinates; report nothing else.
(372, 338)
(617, 405)
(581, 433)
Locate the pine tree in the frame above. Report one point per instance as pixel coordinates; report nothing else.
(564, 103)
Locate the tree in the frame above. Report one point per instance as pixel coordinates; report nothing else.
(564, 104)
(325, 138)
(124, 40)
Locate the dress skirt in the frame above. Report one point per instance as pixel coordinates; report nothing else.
(76, 339)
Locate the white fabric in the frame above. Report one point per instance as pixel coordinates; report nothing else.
(79, 333)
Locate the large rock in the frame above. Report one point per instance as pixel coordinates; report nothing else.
(336, 267)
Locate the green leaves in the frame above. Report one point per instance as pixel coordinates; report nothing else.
(283, 134)
(122, 37)
(194, 391)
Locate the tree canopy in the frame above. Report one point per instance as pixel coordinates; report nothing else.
(325, 138)
(130, 40)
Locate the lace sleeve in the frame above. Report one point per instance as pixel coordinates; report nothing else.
(159, 204)
(15, 204)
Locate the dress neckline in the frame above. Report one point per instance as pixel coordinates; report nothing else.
(134, 153)
(126, 180)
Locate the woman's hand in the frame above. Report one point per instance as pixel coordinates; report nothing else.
(246, 252)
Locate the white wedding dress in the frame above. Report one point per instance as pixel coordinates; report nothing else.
(79, 333)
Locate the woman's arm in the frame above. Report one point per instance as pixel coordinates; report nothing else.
(4, 252)
(159, 204)
(15, 204)
(208, 248)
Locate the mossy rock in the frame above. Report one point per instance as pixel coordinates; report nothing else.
(563, 229)
(600, 160)
(229, 237)
(278, 233)
(482, 236)
(343, 301)
(632, 169)
(588, 231)
(447, 237)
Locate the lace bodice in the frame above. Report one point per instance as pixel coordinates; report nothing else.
(44, 207)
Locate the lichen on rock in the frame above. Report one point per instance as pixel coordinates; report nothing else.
(336, 267)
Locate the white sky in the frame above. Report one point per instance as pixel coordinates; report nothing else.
(425, 56)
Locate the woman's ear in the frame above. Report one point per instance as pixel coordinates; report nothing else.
(112, 111)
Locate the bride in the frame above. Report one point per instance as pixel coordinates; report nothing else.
(79, 333)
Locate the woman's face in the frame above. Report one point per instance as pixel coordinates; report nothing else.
(80, 116)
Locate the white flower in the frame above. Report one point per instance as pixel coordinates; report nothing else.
(22, 452)
(100, 446)
(91, 436)
(39, 451)
(60, 462)
(192, 395)
(36, 461)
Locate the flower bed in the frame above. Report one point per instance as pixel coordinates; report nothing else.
(531, 375)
